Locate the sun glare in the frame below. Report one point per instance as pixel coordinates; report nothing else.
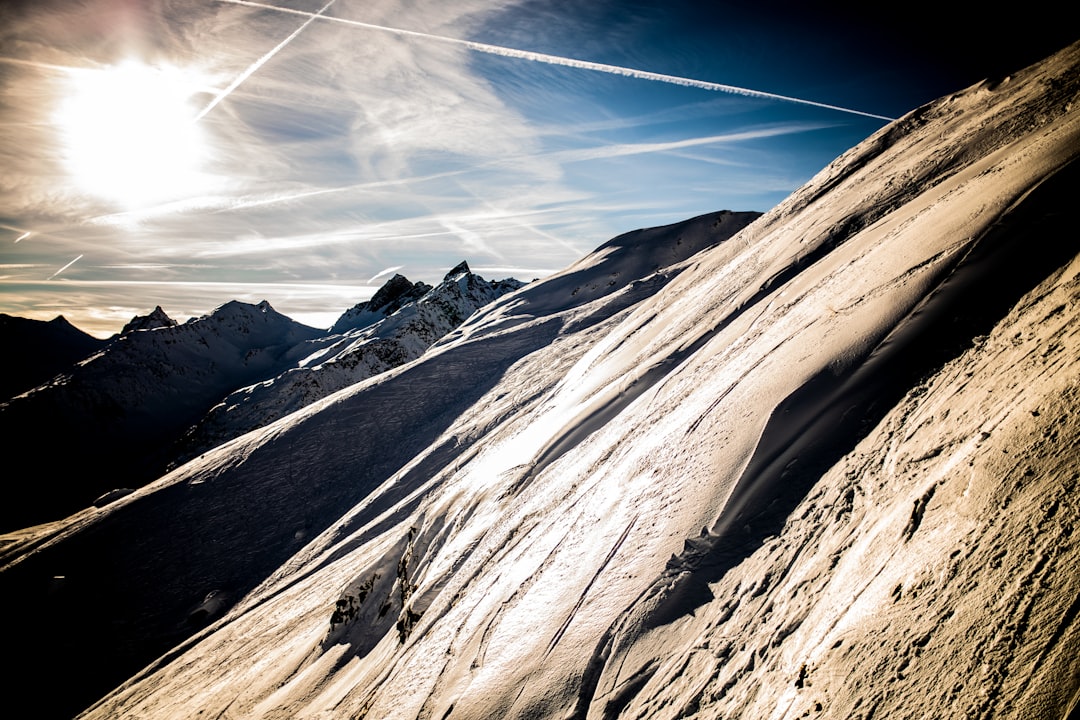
(129, 133)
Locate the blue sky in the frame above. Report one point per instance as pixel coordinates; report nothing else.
(184, 154)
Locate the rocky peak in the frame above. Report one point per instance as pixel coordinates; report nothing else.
(155, 319)
(396, 292)
(462, 268)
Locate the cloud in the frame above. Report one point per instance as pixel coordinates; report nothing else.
(259, 63)
(625, 149)
(339, 150)
(503, 51)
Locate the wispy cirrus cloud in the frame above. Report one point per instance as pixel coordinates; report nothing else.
(350, 137)
(564, 61)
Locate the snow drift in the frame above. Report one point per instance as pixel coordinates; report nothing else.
(819, 465)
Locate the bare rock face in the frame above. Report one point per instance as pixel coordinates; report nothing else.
(395, 293)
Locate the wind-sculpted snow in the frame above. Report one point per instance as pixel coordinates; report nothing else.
(135, 571)
(928, 574)
(822, 466)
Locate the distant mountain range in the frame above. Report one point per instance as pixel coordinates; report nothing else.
(819, 463)
(160, 391)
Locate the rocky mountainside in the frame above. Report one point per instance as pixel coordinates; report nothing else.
(818, 464)
(157, 318)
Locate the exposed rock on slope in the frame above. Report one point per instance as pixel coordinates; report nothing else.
(157, 318)
(388, 300)
(812, 468)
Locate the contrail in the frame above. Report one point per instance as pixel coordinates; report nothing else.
(624, 149)
(558, 60)
(23, 236)
(65, 267)
(261, 61)
(387, 271)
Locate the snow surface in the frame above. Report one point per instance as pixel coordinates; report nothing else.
(823, 465)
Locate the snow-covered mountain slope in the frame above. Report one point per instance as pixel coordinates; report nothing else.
(127, 407)
(130, 575)
(822, 467)
(396, 326)
(116, 414)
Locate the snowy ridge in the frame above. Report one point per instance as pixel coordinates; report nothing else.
(228, 520)
(820, 465)
(141, 404)
(396, 326)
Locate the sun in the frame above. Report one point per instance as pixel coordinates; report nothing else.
(129, 133)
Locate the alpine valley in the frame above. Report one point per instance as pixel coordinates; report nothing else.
(817, 463)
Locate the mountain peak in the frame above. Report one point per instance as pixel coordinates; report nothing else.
(155, 319)
(462, 268)
(391, 297)
(391, 294)
(239, 308)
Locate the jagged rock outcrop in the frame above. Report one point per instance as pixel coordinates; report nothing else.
(386, 301)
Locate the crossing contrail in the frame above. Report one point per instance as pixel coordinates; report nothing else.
(261, 61)
(65, 267)
(554, 59)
